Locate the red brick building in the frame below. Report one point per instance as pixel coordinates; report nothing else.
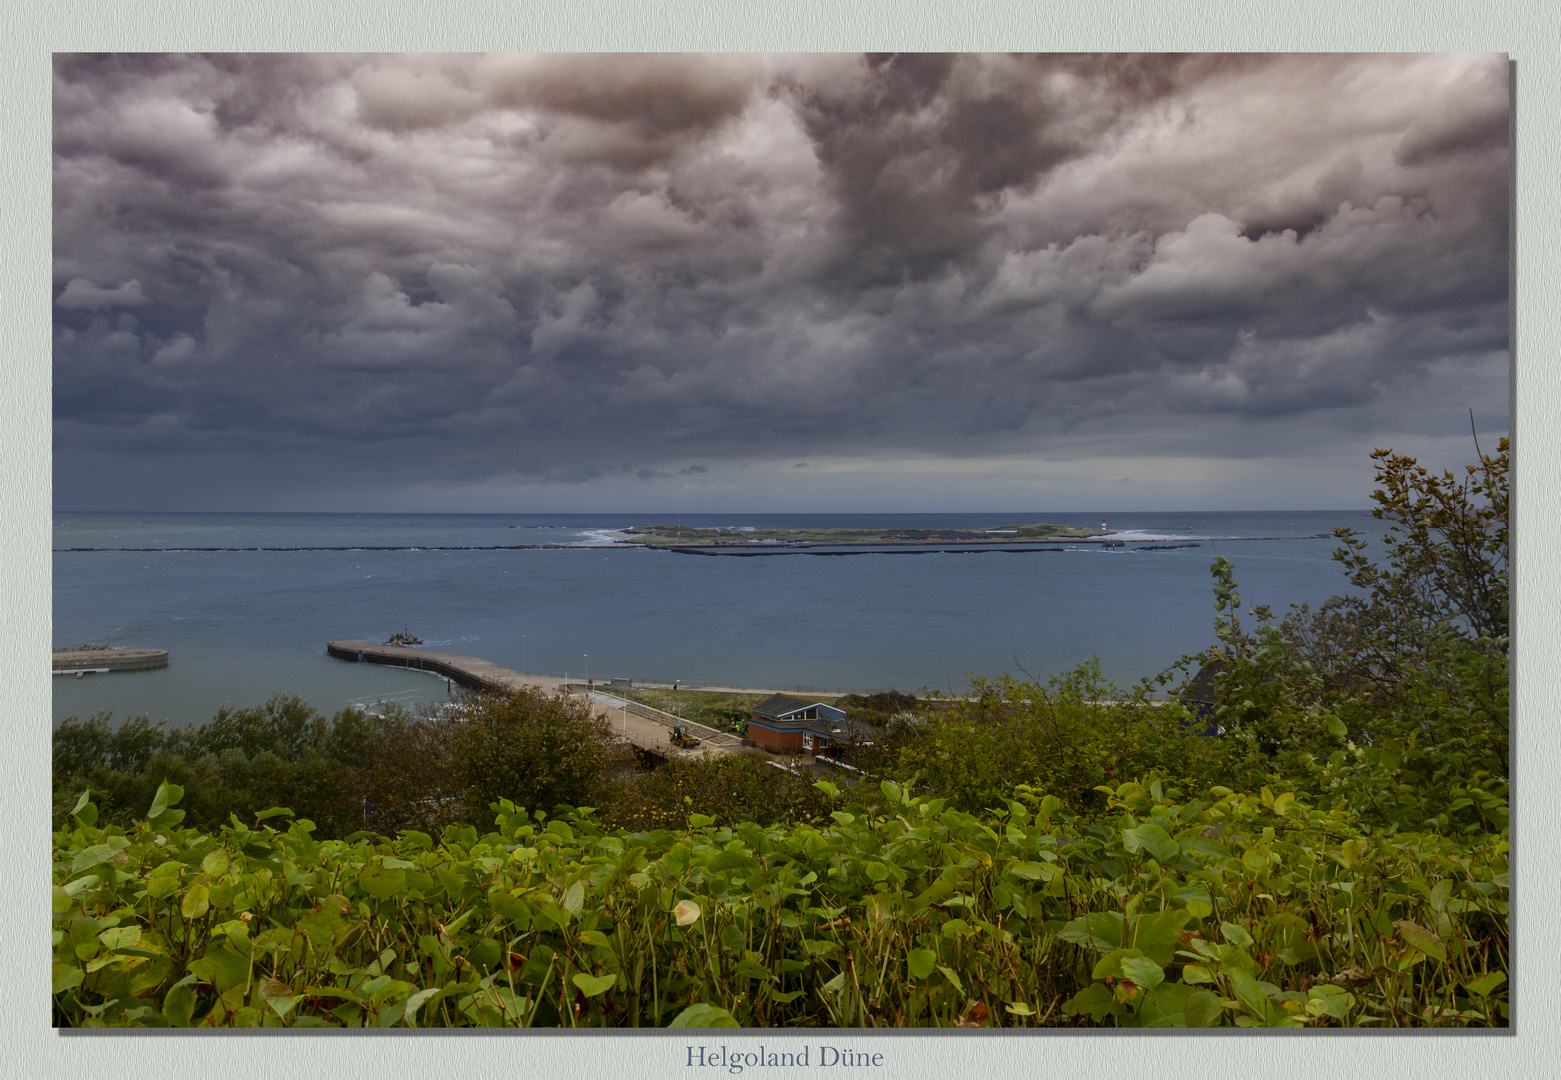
(784, 724)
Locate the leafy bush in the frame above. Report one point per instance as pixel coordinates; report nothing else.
(1068, 736)
(732, 789)
(1225, 910)
(241, 761)
(447, 767)
(1393, 699)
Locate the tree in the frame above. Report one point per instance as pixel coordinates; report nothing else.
(536, 749)
(1396, 696)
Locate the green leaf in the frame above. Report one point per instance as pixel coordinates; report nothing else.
(324, 926)
(702, 1015)
(1100, 930)
(1165, 1005)
(278, 995)
(80, 885)
(1096, 1000)
(381, 882)
(417, 1000)
(1485, 984)
(1143, 971)
(922, 963)
(1110, 965)
(1197, 973)
(948, 973)
(167, 795)
(196, 902)
(1202, 1009)
(1422, 939)
(1205, 846)
(222, 967)
(732, 860)
(275, 811)
(828, 789)
(1252, 998)
(1329, 1001)
(84, 811)
(1153, 839)
(120, 937)
(66, 976)
(91, 857)
(179, 1005)
(574, 899)
(592, 985)
(1236, 935)
(215, 863)
(1160, 930)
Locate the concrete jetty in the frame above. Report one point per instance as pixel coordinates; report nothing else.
(104, 658)
(647, 728)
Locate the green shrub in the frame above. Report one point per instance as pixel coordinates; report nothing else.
(241, 761)
(1393, 699)
(1068, 736)
(731, 789)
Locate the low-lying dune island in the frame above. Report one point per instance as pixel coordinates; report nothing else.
(726, 536)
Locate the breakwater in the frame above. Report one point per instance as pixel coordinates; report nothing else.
(105, 659)
(647, 728)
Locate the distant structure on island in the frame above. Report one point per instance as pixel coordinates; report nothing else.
(406, 638)
(787, 724)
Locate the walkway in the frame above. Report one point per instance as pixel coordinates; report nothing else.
(647, 728)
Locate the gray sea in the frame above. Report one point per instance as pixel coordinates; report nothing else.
(250, 617)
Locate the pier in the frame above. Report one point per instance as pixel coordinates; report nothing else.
(646, 728)
(107, 659)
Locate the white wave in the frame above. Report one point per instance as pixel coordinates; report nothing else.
(1133, 535)
(599, 538)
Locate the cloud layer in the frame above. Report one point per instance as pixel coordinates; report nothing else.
(590, 281)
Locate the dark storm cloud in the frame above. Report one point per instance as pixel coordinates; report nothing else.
(295, 271)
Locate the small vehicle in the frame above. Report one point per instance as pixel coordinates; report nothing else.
(681, 737)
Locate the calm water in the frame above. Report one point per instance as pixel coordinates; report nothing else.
(242, 625)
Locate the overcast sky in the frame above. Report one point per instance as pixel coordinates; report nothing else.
(741, 283)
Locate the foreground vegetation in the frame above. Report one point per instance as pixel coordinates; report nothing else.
(1066, 853)
(1234, 910)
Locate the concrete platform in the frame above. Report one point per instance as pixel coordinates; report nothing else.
(644, 727)
(72, 661)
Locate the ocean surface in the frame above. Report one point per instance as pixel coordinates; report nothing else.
(244, 623)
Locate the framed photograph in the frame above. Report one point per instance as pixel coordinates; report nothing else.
(870, 559)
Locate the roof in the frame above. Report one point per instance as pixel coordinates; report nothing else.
(848, 731)
(1202, 686)
(782, 705)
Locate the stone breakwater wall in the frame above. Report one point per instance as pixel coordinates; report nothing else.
(69, 660)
